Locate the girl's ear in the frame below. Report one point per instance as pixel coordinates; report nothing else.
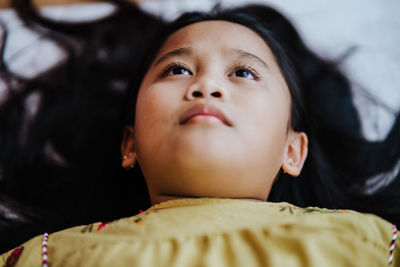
(128, 149)
(296, 153)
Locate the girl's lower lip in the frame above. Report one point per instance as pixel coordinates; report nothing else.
(205, 118)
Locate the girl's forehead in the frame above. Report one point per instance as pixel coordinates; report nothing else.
(217, 35)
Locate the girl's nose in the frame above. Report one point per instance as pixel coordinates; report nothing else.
(204, 89)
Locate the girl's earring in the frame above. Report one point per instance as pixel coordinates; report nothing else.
(291, 162)
(130, 166)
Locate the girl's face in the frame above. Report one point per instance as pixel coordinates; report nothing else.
(212, 117)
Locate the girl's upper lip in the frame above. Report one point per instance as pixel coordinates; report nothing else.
(204, 109)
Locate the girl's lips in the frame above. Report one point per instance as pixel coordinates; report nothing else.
(204, 117)
(203, 112)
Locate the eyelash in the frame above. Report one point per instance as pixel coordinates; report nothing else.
(249, 69)
(170, 66)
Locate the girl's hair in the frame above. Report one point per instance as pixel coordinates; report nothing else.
(61, 166)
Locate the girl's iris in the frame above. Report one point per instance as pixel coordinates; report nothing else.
(179, 70)
(243, 73)
(175, 69)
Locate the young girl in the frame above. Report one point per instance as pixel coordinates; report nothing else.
(216, 118)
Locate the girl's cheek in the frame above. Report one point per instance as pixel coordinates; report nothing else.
(154, 104)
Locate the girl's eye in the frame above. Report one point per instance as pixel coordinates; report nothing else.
(176, 70)
(244, 73)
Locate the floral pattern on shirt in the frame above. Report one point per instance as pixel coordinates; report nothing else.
(13, 257)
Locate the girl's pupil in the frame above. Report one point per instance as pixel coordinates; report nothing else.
(242, 73)
(179, 70)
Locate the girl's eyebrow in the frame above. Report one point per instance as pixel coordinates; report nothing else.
(240, 54)
(176, 52)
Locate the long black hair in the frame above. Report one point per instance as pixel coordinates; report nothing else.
(61, 167)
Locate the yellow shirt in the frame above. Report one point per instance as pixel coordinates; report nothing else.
(220, 232)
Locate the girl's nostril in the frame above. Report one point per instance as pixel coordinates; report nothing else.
(197, 94)
(216, 94)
